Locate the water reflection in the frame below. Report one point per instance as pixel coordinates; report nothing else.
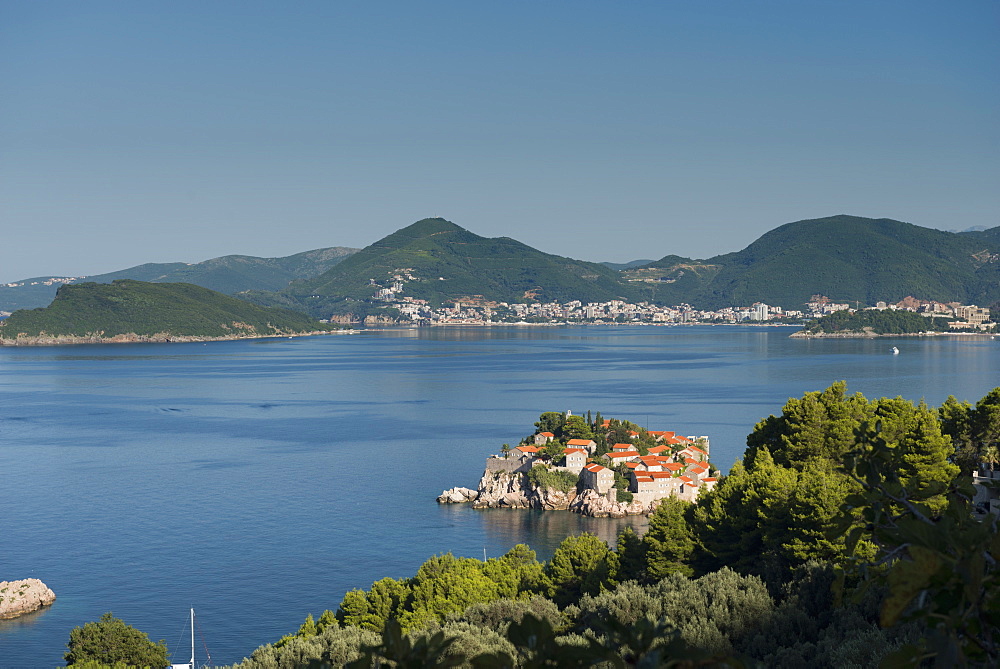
(545, 530)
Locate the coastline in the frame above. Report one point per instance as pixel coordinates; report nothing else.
(158, 338)
(854, 334)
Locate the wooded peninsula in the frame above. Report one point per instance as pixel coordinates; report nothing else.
(853, 532)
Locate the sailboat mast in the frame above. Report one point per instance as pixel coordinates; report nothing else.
(192, 639)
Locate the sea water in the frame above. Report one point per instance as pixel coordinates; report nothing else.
(258, 481)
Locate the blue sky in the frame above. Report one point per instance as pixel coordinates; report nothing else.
(136, 132)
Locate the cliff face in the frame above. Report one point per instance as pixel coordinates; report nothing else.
(509, 490)
(512, 490)
(20, 597)
(590, 503)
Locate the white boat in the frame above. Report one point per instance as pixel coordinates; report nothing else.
(895, 351)
(191, 664)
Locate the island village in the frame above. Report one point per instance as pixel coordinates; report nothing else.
(593, 466)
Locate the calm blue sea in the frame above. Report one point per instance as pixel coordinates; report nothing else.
(259, 481)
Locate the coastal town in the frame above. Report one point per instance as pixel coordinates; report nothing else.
(610, 468)
(477, 310)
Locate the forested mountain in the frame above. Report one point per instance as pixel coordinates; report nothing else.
(441, 262)
(126, 306)
(228, 274)
(847, 258)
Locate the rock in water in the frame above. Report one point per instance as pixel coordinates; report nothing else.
(457, 496)
(20, 597)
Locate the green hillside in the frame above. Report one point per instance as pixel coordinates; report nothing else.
(228, 274)
(127, 306)
(441, 262)
(849, 259)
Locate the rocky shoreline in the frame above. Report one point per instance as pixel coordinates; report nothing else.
(506, 490)
(159, 338)
(24, 596)
(868, 334)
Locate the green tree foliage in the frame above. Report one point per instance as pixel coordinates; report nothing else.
(669, 542)
(878, 322)
(631, 549)
(550, 421)
(820, 425)
(445, 585)
(576, 427)
(986, 422)
(942, 565)
(499, 614)
(715, 613)
(776, 510)
(443, 588)
(974, 432)
(581, 565)
(334, 647)
(956, 422)
(541, 476)
(111, 641)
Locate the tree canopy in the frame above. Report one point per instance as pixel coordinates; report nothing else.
(110, 641)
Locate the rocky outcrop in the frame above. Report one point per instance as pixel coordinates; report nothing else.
(498, 490)
(457, 496)
(508, 490)
(591, 503)
(20, 597)
(513, 490)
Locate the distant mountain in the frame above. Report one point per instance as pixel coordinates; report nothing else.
(175, 309)
(847, 258)
(438, 261)
(228, 274)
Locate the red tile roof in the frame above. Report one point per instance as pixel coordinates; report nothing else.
(623, 454)
(579, 442)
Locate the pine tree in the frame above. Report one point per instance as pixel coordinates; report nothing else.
(669, 543)
(631, 556)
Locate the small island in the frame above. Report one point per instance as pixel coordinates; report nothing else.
(887, 322)
(593, 466)
(127, 311)
(20, 597)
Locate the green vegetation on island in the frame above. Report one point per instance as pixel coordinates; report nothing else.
(876, 322)
(127, 307)
(844, 538)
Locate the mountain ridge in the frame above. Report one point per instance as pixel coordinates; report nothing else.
(227, 274)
